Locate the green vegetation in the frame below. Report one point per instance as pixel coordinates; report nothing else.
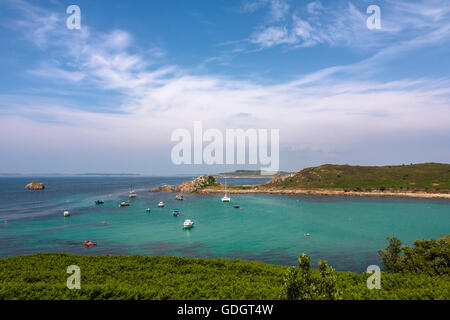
(431, 257)
(427, 177)
(302, 284)
(43, 276)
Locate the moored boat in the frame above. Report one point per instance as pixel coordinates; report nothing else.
(124, 204)
(179, 197)
(188, 224)
(226, 198)
(132, 193)
(161, 204)
(89, 243)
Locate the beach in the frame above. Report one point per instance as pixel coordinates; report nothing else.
(323, 192)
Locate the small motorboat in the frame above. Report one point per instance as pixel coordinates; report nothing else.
(97, 202)
(179, 197)
(124, 204)
(148, 210)
(188, 224)
(176, 212)
(89, 243)
(66, 213)
(161, 204)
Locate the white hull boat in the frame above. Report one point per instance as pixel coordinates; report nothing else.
(226, 198)
(188, 224)
(132, 193)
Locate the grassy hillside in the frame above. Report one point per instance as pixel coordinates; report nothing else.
(43, 276)
(429, 177)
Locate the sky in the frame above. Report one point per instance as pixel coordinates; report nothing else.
(107, 97)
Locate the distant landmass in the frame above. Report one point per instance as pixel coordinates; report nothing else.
(249, 173)
(429, 177)
(425, 180)
(68, 174)
(108, 174)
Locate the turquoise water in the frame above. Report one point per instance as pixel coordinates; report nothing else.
(346, 231)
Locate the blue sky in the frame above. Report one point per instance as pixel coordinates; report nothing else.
(106, 98)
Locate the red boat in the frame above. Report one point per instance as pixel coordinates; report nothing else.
(89, 243)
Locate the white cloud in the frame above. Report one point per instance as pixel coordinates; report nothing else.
(57, 74)
(317, 111)
(117, 40)
(277, 9)
(272, 36)
(314, 7)
(343, 24)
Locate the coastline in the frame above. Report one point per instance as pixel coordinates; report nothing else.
(330, 193)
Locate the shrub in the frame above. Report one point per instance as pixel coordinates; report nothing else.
(390, 257)
(428, 256)
(302, 283)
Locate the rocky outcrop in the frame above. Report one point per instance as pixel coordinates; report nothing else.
(165, 188)
(35, 185)
(189, 186)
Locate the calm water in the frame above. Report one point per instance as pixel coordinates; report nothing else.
(346, 231)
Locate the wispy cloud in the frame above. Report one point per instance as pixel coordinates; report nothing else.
(343, 24)
(277, 9)
(329, 109)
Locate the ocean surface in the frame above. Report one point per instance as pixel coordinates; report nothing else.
(346, 231)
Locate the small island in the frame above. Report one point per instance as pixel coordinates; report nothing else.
(35, 185)
(426, 180)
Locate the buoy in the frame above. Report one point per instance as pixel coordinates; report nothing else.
(104, 222)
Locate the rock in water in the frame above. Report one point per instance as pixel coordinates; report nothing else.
(35, 185)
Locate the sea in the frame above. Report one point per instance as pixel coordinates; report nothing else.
(344, 230)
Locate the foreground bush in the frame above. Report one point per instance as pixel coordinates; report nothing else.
(43, 276)
(428, 256)
(302, 284)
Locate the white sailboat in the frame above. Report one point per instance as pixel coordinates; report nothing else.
(132, 193)
(226, 198)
